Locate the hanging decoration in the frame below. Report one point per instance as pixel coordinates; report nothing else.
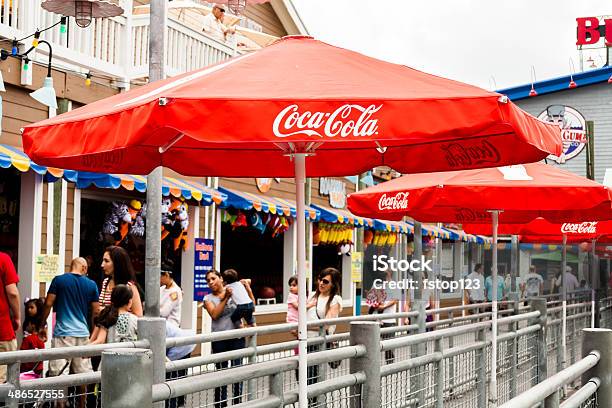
(333, 234)
(572, 84)
(129, 219)
(275, 224)
(119, 220)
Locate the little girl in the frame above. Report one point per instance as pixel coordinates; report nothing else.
(116, 324)
(33, 319)
(292, 300)
(292, 306)
(35, 340)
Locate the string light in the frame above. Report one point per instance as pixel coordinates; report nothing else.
(63, 28)
(88, 79)
(26, 64)
(572, 84)
(15, 49)
(533, 80)
(36, 38)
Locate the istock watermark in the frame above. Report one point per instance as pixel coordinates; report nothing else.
(433, 284)
(384, 263)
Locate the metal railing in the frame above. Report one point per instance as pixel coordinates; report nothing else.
(449, 356)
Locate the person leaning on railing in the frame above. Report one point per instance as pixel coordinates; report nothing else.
(220, 307)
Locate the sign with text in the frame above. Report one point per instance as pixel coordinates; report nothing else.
(573, 130)
(335, 189)
(591, 30)
(356, 266)
(203, 263)
(47, 267)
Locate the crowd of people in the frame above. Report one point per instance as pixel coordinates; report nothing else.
(83, 314)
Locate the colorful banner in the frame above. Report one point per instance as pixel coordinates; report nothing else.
(204, 260)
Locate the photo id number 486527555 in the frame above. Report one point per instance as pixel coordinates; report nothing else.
(36, 394)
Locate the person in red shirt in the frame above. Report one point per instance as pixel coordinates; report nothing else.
(10, 317)
(34, 341)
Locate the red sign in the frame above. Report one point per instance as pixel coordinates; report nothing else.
(590, 30)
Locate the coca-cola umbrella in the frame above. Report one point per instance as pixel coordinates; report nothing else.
(261, 114)
(515, 194)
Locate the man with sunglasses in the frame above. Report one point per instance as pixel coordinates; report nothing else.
(213, 24)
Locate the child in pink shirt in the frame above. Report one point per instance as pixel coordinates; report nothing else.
(292, 301)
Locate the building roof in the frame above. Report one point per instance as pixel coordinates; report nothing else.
(594, 76)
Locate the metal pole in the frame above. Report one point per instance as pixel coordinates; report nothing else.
(154, 330)
(514, 266)
(300, 176)
(493, 384)
(126, 378)
(418, 301)
(563, 303)
(367, 334)
(418, 276)
(157, 30)
(594, 278)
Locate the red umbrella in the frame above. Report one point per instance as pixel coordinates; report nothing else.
(251, 115)
(520, 193)
(233, 118)
(575, 231)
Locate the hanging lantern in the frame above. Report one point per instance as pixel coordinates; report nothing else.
(84, 11)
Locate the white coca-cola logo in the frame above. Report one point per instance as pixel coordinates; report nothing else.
(579, 228)
(396, 202)
(346, 120)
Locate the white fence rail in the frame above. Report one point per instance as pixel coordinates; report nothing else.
(117, 47)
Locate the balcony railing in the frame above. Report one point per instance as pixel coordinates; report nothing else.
(101, 47)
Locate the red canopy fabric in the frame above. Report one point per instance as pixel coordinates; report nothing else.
(235, 119)
(522, 192)
(540, 227)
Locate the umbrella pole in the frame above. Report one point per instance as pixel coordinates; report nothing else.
(300, 180)
(593, 279)
(564, 300)
(494, 278)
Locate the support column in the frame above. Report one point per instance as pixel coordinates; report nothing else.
(600, 340)
(189, 312)
(127, 378)
(30, 231)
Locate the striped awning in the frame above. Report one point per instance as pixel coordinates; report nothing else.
(273, 205)
(393, 226)
(13, 157)
(340, 216)
(460, 235)
(170, 186)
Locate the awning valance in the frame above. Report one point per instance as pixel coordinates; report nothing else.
(393, 226)
(274, 205)
(170, 186)
(13, 157)
(335, 215)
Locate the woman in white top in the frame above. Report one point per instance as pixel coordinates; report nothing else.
(324, 303)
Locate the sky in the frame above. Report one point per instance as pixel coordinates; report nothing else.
(489, 43)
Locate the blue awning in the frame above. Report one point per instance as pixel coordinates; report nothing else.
(170, 186)
(11, 156)
(273, 205)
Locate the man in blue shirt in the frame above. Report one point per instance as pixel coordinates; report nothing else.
(74, 298)
(501, 288)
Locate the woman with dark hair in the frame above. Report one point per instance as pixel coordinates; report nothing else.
(220, 307)
(324, 303)
(118, 270)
